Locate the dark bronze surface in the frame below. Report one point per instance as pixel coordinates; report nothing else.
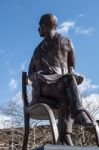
(40, 111)
(51, 71)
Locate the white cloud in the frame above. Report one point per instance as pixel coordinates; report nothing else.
(87, 85)
(5, 121)
(65, 27)
(18, 98)
(13, 84)
(16, 71)
(91, 103)
(80, 15)
(90, 98)
(81, 30)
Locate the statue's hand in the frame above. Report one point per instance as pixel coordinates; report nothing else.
(70, 70)
(78, 78)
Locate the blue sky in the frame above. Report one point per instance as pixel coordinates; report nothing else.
(77, 19)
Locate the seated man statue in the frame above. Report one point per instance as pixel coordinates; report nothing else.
(51, 71)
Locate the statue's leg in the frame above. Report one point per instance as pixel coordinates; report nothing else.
(65, 126)
(75, 101)
(64, 121)
(64, 117)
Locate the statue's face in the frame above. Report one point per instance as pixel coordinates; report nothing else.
(47, 25)
(42, 30)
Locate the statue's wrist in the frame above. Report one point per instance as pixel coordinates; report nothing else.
(70, 70)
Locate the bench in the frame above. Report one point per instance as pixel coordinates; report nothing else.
(44, 111)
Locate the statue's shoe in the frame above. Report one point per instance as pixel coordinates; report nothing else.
(66, 140)
(82, 119)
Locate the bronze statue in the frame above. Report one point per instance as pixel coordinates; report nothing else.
(52, 72)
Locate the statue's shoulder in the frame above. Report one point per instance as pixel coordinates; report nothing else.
(38, 48)
(62, 38)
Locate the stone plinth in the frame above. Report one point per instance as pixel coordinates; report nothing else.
(64, 147)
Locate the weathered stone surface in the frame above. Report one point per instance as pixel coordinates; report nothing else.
(64, 147)
(42, 136)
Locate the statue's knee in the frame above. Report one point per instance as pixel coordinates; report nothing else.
(70, 78)
(68, 81)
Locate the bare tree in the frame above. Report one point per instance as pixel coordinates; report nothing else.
(14, 110)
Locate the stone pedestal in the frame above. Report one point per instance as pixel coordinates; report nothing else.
(64, 147)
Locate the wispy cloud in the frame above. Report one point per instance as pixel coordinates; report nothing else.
(23, 66)
(87, 85)
(5, 121)
(91, 103)
(80, 15)
(2, 51)
(81, 30)
(15, 71)
(18, 97)
(65, 27)
(90, 97)
(13, 84)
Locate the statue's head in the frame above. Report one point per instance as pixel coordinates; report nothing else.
(47, 25)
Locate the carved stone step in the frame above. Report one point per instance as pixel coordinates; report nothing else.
(64, 147)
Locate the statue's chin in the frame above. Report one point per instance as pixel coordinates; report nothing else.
(49, 35)
(42, 35)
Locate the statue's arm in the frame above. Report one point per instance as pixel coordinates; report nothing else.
(71, 64)
(34, 63)
(71, 57)
(31, 68)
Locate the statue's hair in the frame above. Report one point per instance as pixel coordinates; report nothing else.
(49, 19)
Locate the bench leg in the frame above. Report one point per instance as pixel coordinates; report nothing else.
(97, 134)
(96, 127)
(51, 117)
(55, 133)
(26, 131)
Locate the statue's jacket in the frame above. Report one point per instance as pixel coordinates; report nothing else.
(51, 59)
